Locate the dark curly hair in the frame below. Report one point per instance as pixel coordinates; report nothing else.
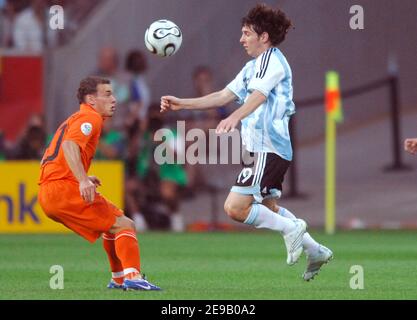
(89, 86)
(265, 19)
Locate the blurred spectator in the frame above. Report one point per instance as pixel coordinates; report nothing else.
(108, 67)
(203, 84)
(76, 13)
(7, 18)
(29, 34)
(24, 24)
(31, 145)
(166, 179)
(3, 151)
(112, 143)
(112, 146)
(160, 184)
(6, 147)
(140, 95)
(134, 190)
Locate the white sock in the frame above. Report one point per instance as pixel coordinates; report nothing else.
(261, 216)
(309, 244)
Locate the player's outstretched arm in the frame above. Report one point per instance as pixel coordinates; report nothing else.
(213, 100)
(255, 99)
(410, 145)
(73, 158)
(171, 103)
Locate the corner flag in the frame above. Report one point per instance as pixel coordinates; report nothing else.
(333, 99)
(334, 114)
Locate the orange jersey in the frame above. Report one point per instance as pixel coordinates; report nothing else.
(61, 201)
(84, 128)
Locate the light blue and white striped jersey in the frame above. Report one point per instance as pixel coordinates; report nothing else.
(266, 128)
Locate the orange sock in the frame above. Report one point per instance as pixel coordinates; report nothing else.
(127, 249)
(115, 264)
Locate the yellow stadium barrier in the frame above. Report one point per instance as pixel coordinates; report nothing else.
(20, 211)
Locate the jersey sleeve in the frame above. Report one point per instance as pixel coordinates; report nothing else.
(238, 87)
(83, 128)
(268, 73)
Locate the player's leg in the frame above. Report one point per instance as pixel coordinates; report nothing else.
(116, 266)
(61, 201)
(317, 254)
(242, 208)
(119, 240)
(127, 250)
(113, 246)
(271, 188)
(309, 244)
(269, 179)
(240, 205)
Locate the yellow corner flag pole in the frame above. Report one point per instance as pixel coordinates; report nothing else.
(333, 114)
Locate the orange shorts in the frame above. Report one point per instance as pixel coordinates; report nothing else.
(61, 201)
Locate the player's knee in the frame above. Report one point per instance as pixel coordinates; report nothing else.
(235, 211)
(123, 223)
(227, 208)
(130, 224)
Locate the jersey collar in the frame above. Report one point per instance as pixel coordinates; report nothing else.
(87, 107)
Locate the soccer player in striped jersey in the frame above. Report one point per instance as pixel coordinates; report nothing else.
(264, 88)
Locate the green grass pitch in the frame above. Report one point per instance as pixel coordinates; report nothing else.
(211, 266)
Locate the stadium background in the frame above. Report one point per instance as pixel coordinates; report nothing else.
(368, 197)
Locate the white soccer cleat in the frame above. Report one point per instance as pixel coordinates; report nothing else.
(294, 241)
(315, 261)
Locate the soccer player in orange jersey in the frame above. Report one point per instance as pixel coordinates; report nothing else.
(68, 195)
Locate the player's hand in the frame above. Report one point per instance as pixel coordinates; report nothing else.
(227, 125)
(170, 103)
(410, 145)
(87, 190)
(95, 180)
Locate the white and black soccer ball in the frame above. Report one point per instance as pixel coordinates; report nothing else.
(163, 37)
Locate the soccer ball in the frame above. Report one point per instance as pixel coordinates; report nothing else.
(163, 37)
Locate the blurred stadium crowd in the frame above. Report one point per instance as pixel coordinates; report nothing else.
(24, 23)
(152, 192)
